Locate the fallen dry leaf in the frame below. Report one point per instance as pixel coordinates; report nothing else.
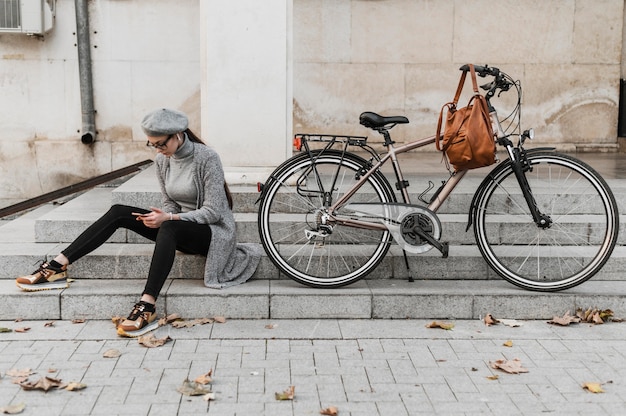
(510, 322)
(593, 387)
(509, 366)
(44, 383)
(564, 320)
(189, 324)
(75, 386)
(78, 321)
(23, 329)
(112, 353)
(595, 316)
(150, 341)
(208, 396)
(220, 319)
(271, 326)
(490, 320)
(204, 378)
(117, 320)
(48, 324)
(330, 411)
(191, 388)
(493, 377)
(169, 319)
(443, 325)
(6, 330)
(287, 394)
(14, 409)
(508, 343)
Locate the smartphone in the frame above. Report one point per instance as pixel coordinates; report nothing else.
(138, 215)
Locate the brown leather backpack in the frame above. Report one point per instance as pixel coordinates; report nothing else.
(468, 140)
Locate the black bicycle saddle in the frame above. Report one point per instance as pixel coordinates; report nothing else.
(374, 121)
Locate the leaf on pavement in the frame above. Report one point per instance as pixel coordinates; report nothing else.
(75, 386)
(593, 387)
(205, 378)
(287, 394)
(493, 377)
(511, 322)
(208, 396)
(508, 343)
(48, 324)
(220, 319)
(490, 320)
(6, 330)
(443, 325)
(564, 320)
(150, 341)
(22, 329)
(191, 388)
(169, 319)
(188, 324)
(78, 321)
(329, 411)
(44, 383)
(117, 320)
(509, 366)
(112, 353)
(14, 409)
(595, 316)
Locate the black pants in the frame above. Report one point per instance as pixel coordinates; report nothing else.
(188, 237)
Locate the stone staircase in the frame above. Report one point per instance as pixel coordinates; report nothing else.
(108, 281)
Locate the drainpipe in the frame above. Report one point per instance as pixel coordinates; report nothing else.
(84, 69)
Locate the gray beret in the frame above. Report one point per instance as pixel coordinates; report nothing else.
(163, 122)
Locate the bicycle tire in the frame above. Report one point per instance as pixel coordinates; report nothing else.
(287, 211)
(580, 240)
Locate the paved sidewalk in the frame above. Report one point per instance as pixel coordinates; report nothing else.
(362, 367)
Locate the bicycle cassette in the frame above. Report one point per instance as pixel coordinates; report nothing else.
(411, 226)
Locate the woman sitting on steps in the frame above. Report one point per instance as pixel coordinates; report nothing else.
(196, 218)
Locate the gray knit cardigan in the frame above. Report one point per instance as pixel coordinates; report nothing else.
(228, 263)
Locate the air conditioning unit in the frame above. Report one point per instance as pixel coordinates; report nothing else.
(31, 17)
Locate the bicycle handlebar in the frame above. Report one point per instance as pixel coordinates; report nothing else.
(482, 71)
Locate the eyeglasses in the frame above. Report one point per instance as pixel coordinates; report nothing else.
(160, 146)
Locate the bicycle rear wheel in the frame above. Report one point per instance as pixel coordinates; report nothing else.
(292, 226)
(572, 249)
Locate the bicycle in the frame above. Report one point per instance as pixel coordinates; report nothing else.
(327, 216)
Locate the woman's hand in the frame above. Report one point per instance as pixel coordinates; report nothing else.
(154, 219)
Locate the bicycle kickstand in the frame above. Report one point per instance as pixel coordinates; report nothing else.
(408, 269)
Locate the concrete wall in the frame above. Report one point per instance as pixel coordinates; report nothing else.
(145, 55)
(401, 57)
(388, 56)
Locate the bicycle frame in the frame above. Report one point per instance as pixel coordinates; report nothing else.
(392, 154)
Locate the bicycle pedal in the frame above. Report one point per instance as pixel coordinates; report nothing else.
(444, 249)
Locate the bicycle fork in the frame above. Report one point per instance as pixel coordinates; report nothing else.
(519, 164)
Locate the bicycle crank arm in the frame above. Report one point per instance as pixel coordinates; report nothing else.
(442, 247)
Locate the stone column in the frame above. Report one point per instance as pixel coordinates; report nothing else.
(246, 85)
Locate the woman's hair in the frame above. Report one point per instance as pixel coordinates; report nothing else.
(192, 136)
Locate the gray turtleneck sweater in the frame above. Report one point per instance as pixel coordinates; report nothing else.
(228, 263)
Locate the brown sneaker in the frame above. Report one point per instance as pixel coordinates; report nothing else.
(44, 278)
(141, 320)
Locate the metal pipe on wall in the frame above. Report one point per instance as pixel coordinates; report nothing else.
(84, 68)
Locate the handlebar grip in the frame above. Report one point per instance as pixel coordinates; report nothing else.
(482, 71)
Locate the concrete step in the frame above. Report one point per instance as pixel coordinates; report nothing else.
(131, 261)
(66, 222)
(268, 299)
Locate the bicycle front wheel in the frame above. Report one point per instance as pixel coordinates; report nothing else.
(577, 243)
(293, 224)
